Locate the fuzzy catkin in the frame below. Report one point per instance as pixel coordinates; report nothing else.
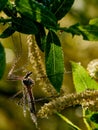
(38, 67)
(86, 99)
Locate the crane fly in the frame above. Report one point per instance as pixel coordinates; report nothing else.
(28, 97)
(27, 82)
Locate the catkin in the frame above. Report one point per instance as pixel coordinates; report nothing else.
(38, 67)
(87, 99)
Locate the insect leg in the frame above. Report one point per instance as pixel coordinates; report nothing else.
(24, 101)
(31, 104)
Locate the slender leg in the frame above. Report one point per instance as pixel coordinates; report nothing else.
(24, 101)
(31, 104)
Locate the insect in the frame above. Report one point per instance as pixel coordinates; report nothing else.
(27, 83)
(28, 97)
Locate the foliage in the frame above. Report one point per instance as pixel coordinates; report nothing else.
(81, 78)
(89, 32)
(68, 121)
(92, 118)
(2, 60)
(40, 18)
(54, 60)
(34, 17)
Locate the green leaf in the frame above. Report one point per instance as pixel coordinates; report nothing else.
(94, 117)
(94, 21)
(40, 37)
(54, 60)
(89, 32)
(10, 9)
(24, 25)
(46, 2)
(68, 121)
(38, 12)
(73, 29)
(58, 7)
(91, 118)
(2, 60)
(81, 78)
(86, 113)
(7, 32)
(2, 4)
(61, 7)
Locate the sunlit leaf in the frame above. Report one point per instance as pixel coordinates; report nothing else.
(54, 60)
(89, 32)
(81, 78)
(2, 4)
(7, 32)
(38, 12)
(94, 21)
(2, 60)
